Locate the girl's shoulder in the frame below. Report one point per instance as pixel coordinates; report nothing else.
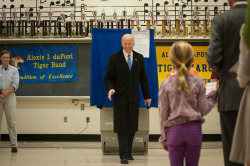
(170, 82)
(196, 79)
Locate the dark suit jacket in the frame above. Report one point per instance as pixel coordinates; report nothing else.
(223, 52)
(126, 84)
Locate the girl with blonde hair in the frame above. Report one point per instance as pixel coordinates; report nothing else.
(182, 103)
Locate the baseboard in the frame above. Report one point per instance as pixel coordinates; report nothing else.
(55, 137)
(205, 137)
(87, 137)
(211, 137)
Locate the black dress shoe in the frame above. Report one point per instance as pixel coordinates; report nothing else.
(13, 149)
(124, 161)
(130, 158)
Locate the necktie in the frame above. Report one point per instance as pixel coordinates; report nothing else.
(129, 62)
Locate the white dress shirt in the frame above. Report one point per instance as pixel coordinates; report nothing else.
(126, 56)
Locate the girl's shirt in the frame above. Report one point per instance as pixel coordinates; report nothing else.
(176, 107)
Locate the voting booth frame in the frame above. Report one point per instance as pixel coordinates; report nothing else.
(109, 140)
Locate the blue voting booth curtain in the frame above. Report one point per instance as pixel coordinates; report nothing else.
(106, 42)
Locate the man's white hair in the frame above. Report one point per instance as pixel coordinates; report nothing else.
(128, 36)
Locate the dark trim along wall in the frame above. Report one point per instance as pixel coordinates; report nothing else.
(87, 137)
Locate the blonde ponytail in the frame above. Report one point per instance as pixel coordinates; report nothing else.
(181, 55)
(182, 74)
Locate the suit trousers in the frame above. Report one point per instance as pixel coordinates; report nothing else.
(228, 121)
(8, 106)
(184, 141)
(125, 144)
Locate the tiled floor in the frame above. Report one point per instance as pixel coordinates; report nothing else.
(90, 154)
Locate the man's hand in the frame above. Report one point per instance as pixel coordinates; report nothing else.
(147, 101)
(237, 78)
(165, 147)
(111, 92)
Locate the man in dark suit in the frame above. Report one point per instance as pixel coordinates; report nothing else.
(125, 70)
(222, 54)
